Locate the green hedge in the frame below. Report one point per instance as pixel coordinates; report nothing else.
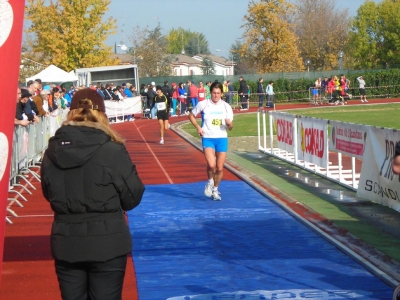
(384, 83)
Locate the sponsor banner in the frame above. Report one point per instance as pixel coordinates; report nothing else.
(11, 21)
(312, 144)
(377, 181)
(128, 106)
(284, 126)
(280, 294)
(348, 138)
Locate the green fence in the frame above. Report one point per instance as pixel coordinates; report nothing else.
(295, 86)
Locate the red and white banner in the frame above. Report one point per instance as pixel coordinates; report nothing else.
(312, 145)
(11, 24)
(285, 130)
(348, 138)
(377, 182)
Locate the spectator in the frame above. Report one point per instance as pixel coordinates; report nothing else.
(270, 94)
(133, 91)
(188, 97)
(150, 101)
(39, 104)
(24, 110)
(44, 94)
(243, 93)
(194, 94)
(39, 87)
(230, 92)
(324, 88)
(99, 89)
(201, 92)
(260, 92)
(167, 92)
(361, 83)
(225, 90)
(22, 122)
(174, 96)
(107, 92)
(89, 195)
(127, 90)
(182, 97)
(207, 89)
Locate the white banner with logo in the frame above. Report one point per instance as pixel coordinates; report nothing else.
(348, 138)
(378, 182)
(128, 106)
(312, 143)
(284, 126)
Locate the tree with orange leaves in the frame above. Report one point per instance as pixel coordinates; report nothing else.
(70, 33)
(270, 42)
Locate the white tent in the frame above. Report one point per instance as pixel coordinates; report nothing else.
(54, 74)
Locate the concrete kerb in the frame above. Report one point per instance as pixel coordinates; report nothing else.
(372, 259)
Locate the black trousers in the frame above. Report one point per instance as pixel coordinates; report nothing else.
(91, 280)
(243, 101)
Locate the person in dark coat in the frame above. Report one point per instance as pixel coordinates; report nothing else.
(243, 93)
(90, 181)
(260, 92)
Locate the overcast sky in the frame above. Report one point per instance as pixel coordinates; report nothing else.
(219, 20)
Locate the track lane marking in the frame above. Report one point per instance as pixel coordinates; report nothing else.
(154, 155)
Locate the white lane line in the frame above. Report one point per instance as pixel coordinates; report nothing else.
(34, 216)
(155, 156)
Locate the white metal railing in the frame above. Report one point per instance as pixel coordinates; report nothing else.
(334, 171)
(29, 144)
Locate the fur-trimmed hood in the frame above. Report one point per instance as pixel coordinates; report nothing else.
(75, 142)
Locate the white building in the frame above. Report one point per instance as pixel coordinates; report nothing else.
(184, 65)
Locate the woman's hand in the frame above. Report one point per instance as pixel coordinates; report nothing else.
(228, 124)
(200, 131)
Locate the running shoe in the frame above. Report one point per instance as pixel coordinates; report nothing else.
(216, 196)
(162, 142)
(208, 189)
(362, 100)
(365, 100)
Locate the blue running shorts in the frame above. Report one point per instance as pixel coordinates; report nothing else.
(218, 144)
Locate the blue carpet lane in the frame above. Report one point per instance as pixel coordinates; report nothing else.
(187, 246)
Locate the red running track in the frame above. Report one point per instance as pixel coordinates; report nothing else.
(28, 271)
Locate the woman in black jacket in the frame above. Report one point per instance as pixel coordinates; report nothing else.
(89, 180)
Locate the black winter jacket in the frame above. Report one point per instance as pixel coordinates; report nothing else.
(89, 181)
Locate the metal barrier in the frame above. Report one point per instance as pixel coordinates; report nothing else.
(29, 144)
(333, 171)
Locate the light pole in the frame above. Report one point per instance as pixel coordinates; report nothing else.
(308, 63)
(183, 51)
(340, 56)
(231, 55)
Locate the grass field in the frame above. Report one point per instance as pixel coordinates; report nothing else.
(382, 115)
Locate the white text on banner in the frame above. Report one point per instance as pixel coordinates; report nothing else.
(348, 138)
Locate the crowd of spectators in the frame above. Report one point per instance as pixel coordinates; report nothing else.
(35, 100)
(335, 90)
(182, 97)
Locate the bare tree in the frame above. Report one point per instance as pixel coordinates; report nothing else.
(322, 30)
(149, 48)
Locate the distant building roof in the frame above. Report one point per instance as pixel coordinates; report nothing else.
(215, 58)
(181, 59)
(123, 58)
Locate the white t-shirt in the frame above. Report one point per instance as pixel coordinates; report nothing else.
(361, 82)
(213, 117)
